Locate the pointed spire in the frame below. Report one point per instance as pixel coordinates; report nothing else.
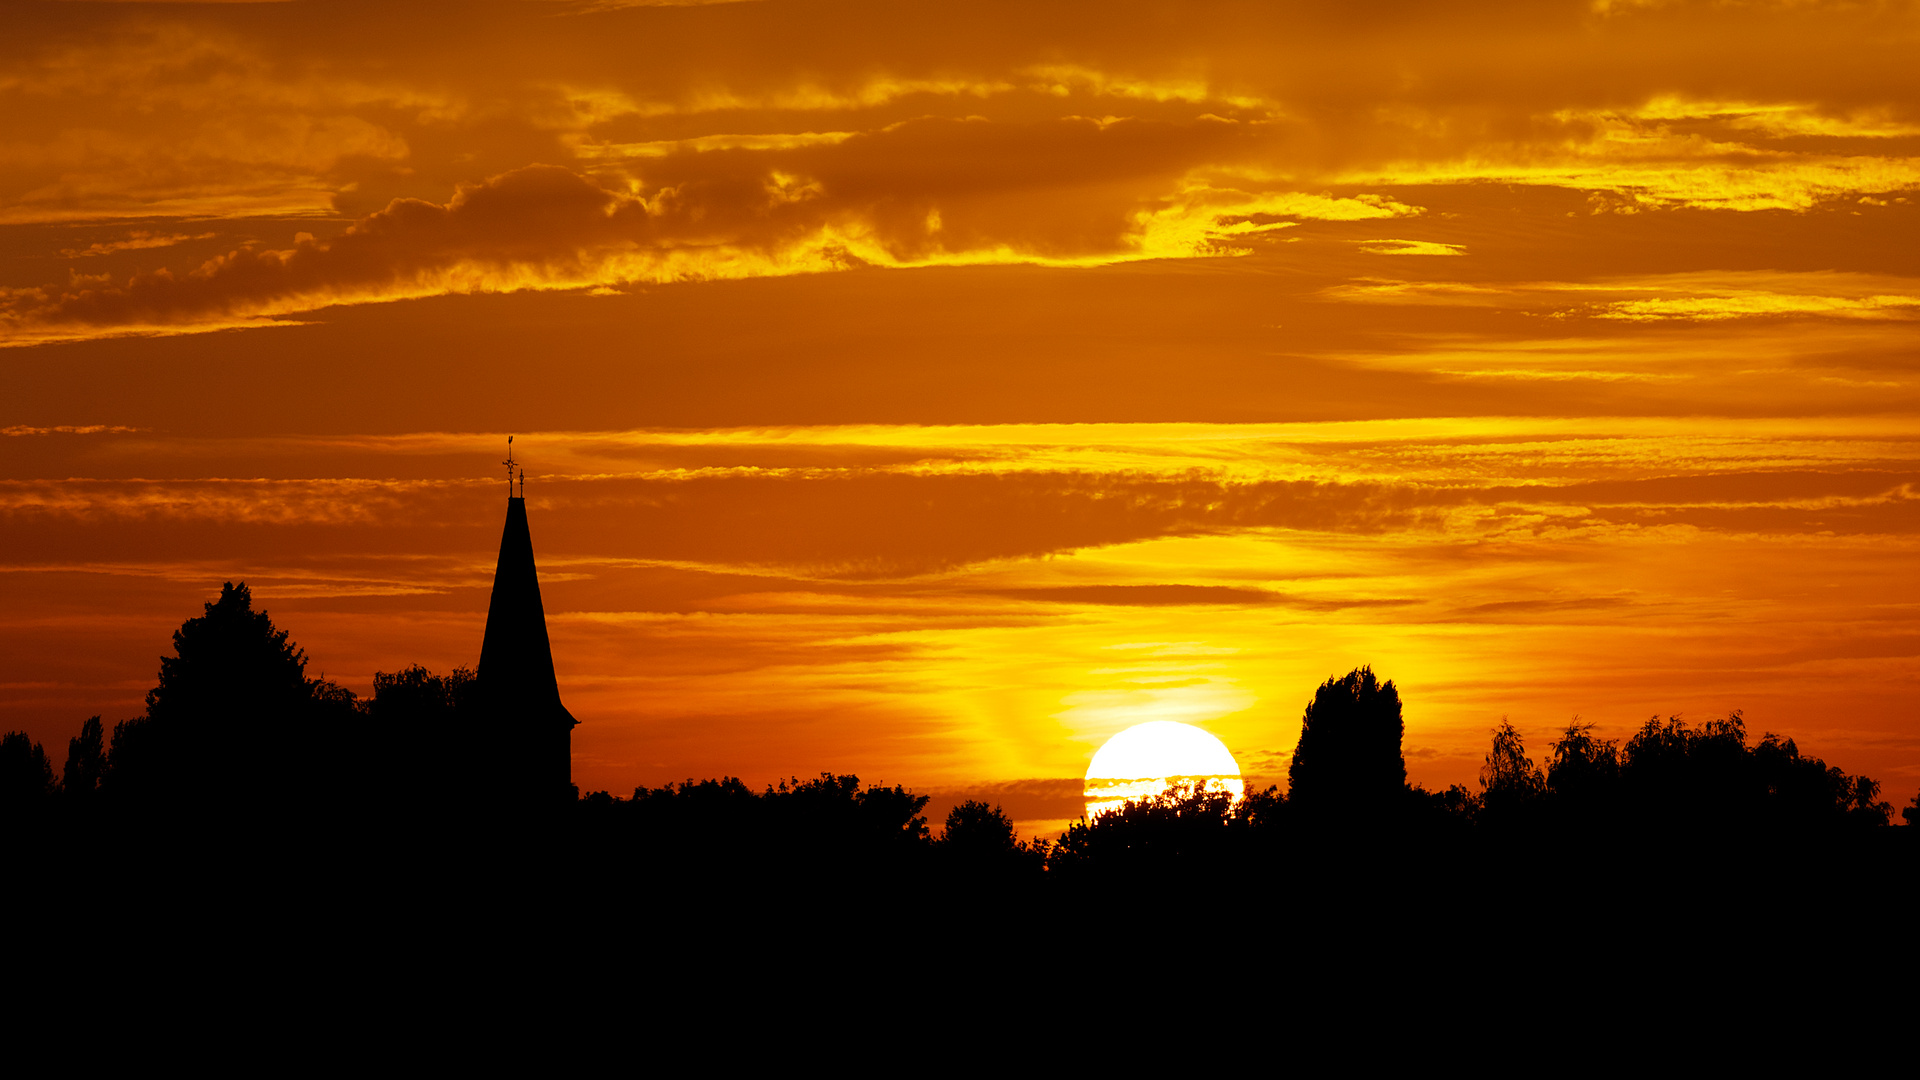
(533, 731)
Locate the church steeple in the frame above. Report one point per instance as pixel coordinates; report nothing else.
(531, 731)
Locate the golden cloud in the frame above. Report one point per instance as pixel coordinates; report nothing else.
(990, 496)
(1756, 304)
(137, 240)
(1410, 247)
(729, 213)
(1652, 298)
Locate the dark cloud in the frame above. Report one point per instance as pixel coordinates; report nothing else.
(1064, 188)
(540, 216)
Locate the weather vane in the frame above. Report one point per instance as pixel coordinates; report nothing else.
(509, 464)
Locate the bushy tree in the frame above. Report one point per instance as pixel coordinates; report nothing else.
(424, 723)
(980, 839)
(232, 669)
(1511, 786)
(86, 763)
(418, 697)
(722, 829)
(1800, 792)
(1451, 810)
(234, 715)
(977, 826)
(1583, 776)
(26, 777)
(690, 810)
(1580, 762)
(1673, 773)
(1347, 765)
(1675, 780)
(1184, 828)
(1708, 777)
(832, 811)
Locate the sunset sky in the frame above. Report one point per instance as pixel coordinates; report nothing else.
(930, 391)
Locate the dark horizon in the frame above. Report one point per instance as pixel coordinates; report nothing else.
(236, 688)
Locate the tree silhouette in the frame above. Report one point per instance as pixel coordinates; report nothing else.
(1582, 781)
(722, 830)
(1184, 828)
(425, 724)
(416, 696)
(26, 778)
(1676, 774)
(1795, 792)
(1451, 810)
(234, 728)
(980, 839)
(1347, 765)
(233, 713)
(86, 763)
(832, 816)
(1708, 779)
(1673, 781)
(975, 826)
(232, 667)
(1511, 787)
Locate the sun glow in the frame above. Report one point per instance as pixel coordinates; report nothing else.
(1150, 758)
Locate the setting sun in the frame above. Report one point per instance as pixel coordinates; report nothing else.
(1149, 758)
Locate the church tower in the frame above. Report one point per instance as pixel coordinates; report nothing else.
(530, 732)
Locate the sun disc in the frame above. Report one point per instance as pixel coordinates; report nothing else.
(1150, 758)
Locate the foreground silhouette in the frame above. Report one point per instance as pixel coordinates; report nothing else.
(232, 717)
(1347, 769)
(523, 732)
(239, 751)
(274, 824)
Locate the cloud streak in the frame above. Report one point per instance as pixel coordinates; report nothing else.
(137, 240)
(978, 498)
(548, 227)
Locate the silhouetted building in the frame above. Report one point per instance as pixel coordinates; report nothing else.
(530, 733)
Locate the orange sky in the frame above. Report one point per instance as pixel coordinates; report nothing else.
(932, 390)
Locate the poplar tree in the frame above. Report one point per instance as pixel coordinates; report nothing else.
(1347, 764)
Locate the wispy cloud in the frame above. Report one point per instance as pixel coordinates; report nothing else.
(1760, 304)
(136, 240)
(1410, 247)
(68, 429)
(543, 227)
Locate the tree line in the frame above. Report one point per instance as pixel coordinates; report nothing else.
(235, 735)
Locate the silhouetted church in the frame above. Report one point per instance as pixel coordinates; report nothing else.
(530, 731)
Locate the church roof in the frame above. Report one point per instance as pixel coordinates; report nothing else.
(516, 659)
